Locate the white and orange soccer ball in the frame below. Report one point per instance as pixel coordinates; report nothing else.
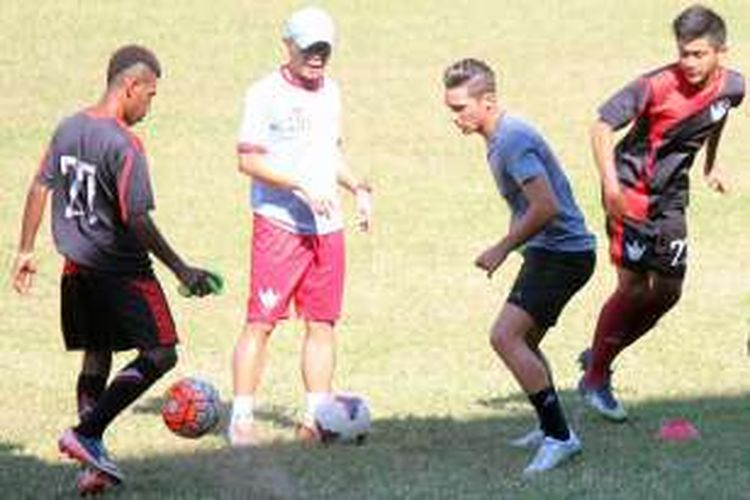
(191, 407)
(343, 419)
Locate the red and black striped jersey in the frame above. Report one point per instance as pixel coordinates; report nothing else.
(671, 121)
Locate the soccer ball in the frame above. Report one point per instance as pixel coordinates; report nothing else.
(343, 419)
(191, 407)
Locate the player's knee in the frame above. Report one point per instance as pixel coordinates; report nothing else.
(671, 296)
(320, 332)
(168, 361)
(500, 340)
(258, 331)
(163, 358)
(668, 292)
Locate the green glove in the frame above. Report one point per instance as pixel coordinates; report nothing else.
(215, 283)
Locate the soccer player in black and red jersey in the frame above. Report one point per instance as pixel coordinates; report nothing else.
(96, 171)
(675, 110)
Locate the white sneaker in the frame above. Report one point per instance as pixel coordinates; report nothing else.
(531, 439)
(603, 401)
(600, 398)
(552, 453)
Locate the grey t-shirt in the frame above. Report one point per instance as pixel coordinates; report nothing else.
(98, 173)
(516, 154)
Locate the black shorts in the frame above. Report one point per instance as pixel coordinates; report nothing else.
(656, 244)
(547, 280)
(108, 312)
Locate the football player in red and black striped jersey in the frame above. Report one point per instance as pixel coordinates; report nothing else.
(673, 112)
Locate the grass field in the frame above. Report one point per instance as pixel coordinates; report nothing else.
(414, 336)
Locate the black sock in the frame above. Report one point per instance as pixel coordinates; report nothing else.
(128, 384)
(88, 391)
(549, 411)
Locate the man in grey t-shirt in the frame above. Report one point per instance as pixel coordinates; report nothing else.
(557, 248)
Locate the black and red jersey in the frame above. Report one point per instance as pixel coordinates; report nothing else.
(672, 120)
(98, 174)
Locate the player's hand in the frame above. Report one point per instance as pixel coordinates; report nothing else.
(324, 207)
(614, 202)
(199, 282)
(363, 201)
(24, 270)
(717, 181)
(320, 205)
(492, 258)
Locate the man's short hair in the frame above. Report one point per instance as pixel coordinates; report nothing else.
(475, 74)
(697, 22)
(128, 56)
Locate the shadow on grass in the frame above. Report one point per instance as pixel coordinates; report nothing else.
(430, 457)
(278, 416)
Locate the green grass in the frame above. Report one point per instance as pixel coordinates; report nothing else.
(414, 338)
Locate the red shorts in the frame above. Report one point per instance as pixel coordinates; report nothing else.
(308, 268)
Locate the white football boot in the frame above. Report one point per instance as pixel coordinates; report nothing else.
(552, 453)
(531, 439)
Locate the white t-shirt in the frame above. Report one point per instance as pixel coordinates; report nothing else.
(298, 131)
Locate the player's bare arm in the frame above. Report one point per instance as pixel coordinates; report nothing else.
(25, 265)
(602, 144)
(346, 178)
(542, 209)
(196, 280)
(362, 192)
(714, 175)
(253, 165)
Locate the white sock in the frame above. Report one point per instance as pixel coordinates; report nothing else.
(315, 399)
(242, 408)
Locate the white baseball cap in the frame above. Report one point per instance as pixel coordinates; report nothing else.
(308, 26)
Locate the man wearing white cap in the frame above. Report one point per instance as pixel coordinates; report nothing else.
(289, 145)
